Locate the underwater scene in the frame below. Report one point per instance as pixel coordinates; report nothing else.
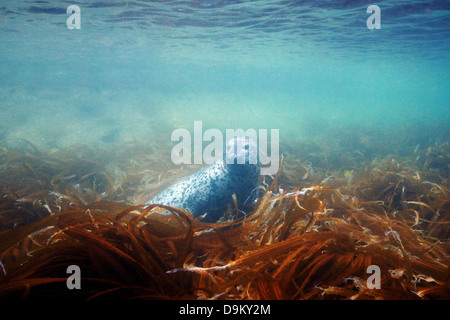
(224, 150)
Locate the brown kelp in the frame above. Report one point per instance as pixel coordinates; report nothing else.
(37, 183)
(312, 235)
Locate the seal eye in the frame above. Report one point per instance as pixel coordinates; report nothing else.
(241, 150)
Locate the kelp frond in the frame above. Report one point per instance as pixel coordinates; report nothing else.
(315, 240)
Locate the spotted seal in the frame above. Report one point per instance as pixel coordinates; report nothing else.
(210, 191)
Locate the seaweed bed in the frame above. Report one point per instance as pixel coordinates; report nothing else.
(318, 225)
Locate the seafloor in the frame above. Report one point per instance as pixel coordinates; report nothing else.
(352, 199)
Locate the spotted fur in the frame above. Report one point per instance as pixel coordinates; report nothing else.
(209, 191)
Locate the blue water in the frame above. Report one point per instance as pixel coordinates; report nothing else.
(140, 69)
